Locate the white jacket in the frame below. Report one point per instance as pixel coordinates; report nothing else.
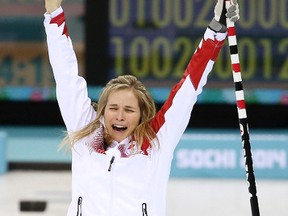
(136, 185)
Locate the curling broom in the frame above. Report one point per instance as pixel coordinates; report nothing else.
(241, 107)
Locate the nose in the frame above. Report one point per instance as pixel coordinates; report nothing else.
(120, 115)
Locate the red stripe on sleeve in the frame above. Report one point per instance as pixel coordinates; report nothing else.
(209, 51)
(59, 20)
(196, 67)
(65, 31)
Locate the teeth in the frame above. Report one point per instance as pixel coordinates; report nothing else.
(119, 127)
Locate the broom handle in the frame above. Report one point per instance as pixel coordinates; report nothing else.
(241, 107)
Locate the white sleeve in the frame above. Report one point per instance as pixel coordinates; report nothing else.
(173, 118)
(71, 89)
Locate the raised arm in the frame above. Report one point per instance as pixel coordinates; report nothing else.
(172, 119)
(71, 89)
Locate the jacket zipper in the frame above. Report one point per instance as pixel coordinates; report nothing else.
(79, 207)
(144, 209)
(110, 171)
(111, 162)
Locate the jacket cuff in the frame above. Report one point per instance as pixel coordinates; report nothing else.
(54, 13)
(209, 34)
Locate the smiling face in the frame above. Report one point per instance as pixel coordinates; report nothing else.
(122, 114)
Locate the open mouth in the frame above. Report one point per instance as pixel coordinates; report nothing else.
(119, 127)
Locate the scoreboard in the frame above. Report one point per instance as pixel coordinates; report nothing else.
(154, 40)
(151, 39)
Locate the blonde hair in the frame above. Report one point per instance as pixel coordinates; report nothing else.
(147, 111)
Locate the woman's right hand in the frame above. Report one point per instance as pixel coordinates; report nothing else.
(52, 5)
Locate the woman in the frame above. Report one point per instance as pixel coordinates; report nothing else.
(122, 152)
